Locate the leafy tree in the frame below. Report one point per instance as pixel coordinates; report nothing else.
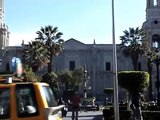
(77, 76)
(52, 80)
(29, 75)
(133, 45)
(50, 36)
(35, 55)
(65, 78)
(71, 79)
(150, 56)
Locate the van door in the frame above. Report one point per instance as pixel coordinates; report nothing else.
(5, 103)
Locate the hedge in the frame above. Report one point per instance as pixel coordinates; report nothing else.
(130, 80)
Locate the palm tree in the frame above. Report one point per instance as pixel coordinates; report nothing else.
(35, 55)
(52, 39)
(133, 46)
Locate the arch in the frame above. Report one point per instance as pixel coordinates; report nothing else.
(156, 39)
(155, 2)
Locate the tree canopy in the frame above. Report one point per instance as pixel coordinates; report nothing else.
(51, 38)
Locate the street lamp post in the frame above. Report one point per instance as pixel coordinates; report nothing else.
(115, 75)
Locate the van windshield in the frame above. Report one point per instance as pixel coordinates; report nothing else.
(50, 98)
(4, 103)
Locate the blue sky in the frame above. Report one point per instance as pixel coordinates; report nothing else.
(84, 20)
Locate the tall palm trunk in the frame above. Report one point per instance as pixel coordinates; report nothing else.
(135, 63)
(50, 64)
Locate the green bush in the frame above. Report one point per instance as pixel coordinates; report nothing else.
(151, 115)
(108, 114)
(130, 80)
(123, 114)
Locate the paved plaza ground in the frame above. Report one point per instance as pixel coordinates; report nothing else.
(90, 115)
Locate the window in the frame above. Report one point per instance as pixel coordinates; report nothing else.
(155, 2)
(71, 65)
(26, 100)
(4, 103)
(139, 66)
(50, 98)
(108, 66)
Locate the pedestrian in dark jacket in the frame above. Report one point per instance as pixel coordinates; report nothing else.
(64, 110)
(75, 101)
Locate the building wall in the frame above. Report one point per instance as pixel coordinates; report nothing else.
(94, 56)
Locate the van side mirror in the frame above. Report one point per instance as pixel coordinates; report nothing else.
(30, 109)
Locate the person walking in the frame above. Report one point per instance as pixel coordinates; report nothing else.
(75, 101)
(61, 102)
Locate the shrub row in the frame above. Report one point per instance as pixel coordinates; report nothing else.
(109, 114)
(126, 114)
(151, 115)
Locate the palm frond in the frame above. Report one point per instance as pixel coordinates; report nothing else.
(52, 41)
(133, 45)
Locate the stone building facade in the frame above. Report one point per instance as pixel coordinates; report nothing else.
(98, 58)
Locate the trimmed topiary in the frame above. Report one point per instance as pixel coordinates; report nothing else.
(108, 90)
(133, 81)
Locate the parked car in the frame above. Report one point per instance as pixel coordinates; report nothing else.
(28, 101)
